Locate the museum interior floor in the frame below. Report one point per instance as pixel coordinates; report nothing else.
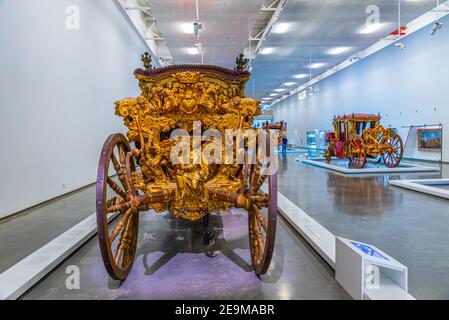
(171, 264)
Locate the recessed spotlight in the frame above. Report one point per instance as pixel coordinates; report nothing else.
(317, 65)
(192, 50)
(437, 26)
(338, 50)
(266, 51)
(289, 84)
(300, 76)
(281, 27)
(400, 45)
(280, 90)
(371, 28)
(186, 27)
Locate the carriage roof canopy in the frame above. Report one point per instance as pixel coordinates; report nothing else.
(358, 117)
(228, 74)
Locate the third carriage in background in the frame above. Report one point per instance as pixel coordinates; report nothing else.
(361, 136)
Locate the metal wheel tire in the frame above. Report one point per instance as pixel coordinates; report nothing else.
(114, 192)
(262, 215)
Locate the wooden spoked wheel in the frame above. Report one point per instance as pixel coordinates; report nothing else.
(357, 152)
(393, 156)
(262, 213)
(327, 155)
(115, 193)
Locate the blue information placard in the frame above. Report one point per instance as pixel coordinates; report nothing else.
(368, 250)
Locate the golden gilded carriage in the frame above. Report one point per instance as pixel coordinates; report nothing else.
(361, 136)
(177, 126)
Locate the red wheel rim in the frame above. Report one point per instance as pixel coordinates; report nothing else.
(393, 157)
(357, 151)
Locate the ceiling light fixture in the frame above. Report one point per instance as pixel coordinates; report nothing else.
(289, 84)
(280, 90)
(197, 27)
(274, 94)
(282, 27)
(267, 51)
(317, 65)
(338, 50)
(400, 45)
(192, 51)
(371, 28)
(300, 76)
(310, 91)
(186, 27)
(199, 47)
(437, 25)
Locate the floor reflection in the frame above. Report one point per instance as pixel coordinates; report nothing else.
(411, 227)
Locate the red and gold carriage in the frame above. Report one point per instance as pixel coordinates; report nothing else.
(360, 137)
(137, 173)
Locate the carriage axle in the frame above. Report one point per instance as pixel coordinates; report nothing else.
(208, 235)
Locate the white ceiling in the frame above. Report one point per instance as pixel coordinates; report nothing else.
(315, 26)
(320, 25)
(225, 27)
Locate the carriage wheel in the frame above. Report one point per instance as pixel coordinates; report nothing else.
(393, 157)
(262, 213)
(114, 195)
(357, 152)
(327, 155)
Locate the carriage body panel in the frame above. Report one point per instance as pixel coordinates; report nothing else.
(174, 98)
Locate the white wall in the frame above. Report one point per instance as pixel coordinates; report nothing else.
(407, 87)
(57, 93)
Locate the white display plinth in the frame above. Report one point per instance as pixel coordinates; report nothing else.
(427, 186)
(23, 275)
(403, 168)
(366, 272)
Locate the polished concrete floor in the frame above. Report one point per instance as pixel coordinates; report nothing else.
(24, 233)
(411, 227)
(445, 187)
(171, 264)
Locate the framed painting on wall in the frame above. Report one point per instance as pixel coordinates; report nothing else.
(430, 140)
